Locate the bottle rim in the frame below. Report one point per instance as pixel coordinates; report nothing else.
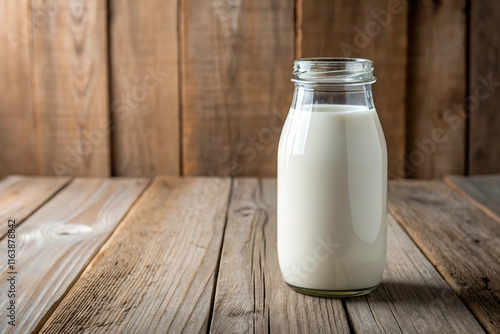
(333, 71)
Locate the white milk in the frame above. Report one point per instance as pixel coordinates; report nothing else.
(332, 188)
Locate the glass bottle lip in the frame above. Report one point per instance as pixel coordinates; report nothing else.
(333, 71)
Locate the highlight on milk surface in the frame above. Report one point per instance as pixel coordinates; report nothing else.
(332, 181)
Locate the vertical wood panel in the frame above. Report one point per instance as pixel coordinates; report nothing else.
(436, 88)
(70, 88)
(484, 97)
(16, 119)
(376, 30)
(237, 57)
(144, 87)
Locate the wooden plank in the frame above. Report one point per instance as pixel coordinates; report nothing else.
(482, 191)
(413, 297)
(70, 87)
(21, 195)
(458, 238)
(16, 116)
(156, 274)
(251, 295)
(367, 29)
(236, 62)
(55, 244)
(484, 80)
(437, 82)
(144, 87)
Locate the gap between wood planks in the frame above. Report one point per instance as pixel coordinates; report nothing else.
(348, 316)
(51, 310)
(216, 274)
(298, 28)
(180, 46)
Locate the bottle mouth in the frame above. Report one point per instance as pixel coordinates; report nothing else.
(333, 71)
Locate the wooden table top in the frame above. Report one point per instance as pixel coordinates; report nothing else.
(199, 254)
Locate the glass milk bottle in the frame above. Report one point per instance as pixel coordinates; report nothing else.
(332, 181)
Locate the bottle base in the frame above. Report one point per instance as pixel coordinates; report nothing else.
(332, 293)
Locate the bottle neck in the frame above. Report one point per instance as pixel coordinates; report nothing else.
(310, 94)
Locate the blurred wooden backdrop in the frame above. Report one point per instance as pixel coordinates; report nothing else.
(201, 87)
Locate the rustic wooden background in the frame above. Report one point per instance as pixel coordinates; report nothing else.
(201, 87)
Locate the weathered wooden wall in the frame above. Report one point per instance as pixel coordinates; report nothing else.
(192, 87)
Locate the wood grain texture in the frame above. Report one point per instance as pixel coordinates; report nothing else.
(144, 87)
(458, 238)
(251, 295)
(435, 122)
(482, 191)
(59, 240)
(484, 83)
(156, 274)
(21, 195)
(376, 30)
(17, 139)
(70, 87)
(413, 297)
(236, 62)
